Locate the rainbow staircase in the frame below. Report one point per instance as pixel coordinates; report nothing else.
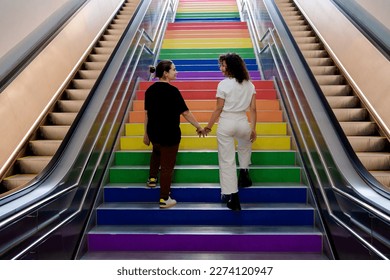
(275, 216)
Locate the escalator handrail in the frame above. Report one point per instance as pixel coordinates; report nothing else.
(374, 30)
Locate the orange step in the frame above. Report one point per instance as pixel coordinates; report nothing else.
(209, 105)
(204, 116)
(207, 25)
(210, 94)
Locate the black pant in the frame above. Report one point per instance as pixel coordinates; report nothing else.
(164, 157)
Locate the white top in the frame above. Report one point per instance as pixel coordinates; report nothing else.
(237, 96)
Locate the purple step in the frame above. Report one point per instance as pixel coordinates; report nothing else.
(205, 75)
(305, 243)
(205, 239)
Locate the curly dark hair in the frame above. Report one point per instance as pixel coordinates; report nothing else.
(235, 66)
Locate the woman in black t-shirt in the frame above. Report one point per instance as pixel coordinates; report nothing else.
(163, 106)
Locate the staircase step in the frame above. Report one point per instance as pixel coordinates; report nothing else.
(62, 118)
(368, 143)
(206, 157)
(71, 106)
(207, 193)
(193, 238)
(203, 53)
(206, 43)
(215, 25)
(207, 105)
(205, 84)
(187, 129)
(375, 161)
(54, 132)
(204, 116)
(212, 214)
(359, 128)
(189, 62)
(17, 181)
(206, 174)
(44, 147)
(278, 142)
(208, 67)
(33, 164)
(200, 75)
(206, 33)
(210, 94)
(351, 114)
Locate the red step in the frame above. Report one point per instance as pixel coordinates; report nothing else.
(206, 25)
(209, 105)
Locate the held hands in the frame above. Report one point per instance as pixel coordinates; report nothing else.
(201, 132)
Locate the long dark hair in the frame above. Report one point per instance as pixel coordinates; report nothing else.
(163, 65)
(235, 66)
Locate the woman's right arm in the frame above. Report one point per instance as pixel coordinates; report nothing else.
(146, 136)
(215, 115)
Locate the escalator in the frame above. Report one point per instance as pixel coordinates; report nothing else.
(368, 141)
(44, 143)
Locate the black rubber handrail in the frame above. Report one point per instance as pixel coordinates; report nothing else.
(368, 24)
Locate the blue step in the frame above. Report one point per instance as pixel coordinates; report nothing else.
(207, 67)
(207, 193)
(205, 214)
(207, 61)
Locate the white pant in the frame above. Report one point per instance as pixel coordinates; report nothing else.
(231, 127)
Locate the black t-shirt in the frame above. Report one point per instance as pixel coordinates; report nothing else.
(164, 105)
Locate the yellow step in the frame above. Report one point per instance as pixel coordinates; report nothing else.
(209, 143)
(134, 129)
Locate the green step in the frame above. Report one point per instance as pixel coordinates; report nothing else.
(127, 158)
(206, 174)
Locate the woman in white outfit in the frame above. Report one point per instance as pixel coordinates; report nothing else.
(235, 95)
